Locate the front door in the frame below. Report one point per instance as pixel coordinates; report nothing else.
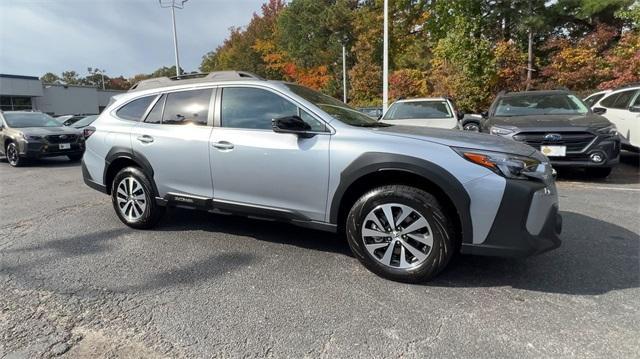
(174, 139)
(254, 167)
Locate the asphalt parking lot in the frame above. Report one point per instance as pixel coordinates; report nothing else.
(74, 281)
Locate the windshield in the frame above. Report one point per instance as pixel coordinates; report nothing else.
(30, 119)
(85, 121)
(418, 109)
(540, 104)
(335, 108)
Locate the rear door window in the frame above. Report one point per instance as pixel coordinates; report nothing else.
(155, 115)
(187, 108)
(134, 110)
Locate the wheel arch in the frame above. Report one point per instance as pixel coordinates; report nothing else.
(376, 169)
(121, 157)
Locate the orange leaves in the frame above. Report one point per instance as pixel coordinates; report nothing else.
(279, 60)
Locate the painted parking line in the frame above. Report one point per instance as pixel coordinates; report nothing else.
(578, 185)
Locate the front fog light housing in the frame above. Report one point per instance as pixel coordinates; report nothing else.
(507, 165)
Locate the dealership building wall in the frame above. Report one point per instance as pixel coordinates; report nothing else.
(19, 92)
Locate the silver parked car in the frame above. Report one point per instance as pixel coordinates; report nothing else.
(407, 198)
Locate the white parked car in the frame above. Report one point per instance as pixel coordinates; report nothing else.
(437, 112)
(595, 97)
(622, 107)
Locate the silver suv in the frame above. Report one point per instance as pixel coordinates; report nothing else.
(407, 198)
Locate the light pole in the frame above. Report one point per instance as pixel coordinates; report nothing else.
(101, 72)
(174, 4)
(343, 41)
(385, 59)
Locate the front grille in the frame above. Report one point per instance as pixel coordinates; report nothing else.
(61, 138)
(575, 141)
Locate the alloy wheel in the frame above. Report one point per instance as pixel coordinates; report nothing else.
(397, 236)
(12, 154)
(131, 198)
(472, 127)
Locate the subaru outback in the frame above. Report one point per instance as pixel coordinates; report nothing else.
(406, 198)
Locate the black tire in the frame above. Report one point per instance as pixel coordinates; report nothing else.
(75, 157)
(471, 126)
(424, 204)
(599, 172)
(13, 155)
(151, 213)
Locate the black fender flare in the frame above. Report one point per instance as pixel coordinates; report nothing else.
(119, 152)
(372, 162)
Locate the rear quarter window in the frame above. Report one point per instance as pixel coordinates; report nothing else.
(134, 110)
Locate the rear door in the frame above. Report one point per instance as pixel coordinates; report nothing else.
(174, 139)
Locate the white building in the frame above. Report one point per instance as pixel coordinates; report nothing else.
(29, 93)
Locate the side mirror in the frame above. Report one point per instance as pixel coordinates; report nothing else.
(484, 114)
(292, 124)
(460, 115)
(635, 108)
(599, 110)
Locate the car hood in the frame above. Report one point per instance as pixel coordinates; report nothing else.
(457, 138)
(46, 131)
(589, 120)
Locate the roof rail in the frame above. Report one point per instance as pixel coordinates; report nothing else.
(193, 79)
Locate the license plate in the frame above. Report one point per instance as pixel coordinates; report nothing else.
(554, 151)
(65, 146)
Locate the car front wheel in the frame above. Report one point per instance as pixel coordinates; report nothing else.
(13, 155)
(400, 233)
(134, 199)
(471, 126)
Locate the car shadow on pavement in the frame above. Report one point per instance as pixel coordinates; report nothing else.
(262, 230)
(60, 161)
(627, 172)
(596, 257)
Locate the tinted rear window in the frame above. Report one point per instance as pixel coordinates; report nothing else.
(134, 110)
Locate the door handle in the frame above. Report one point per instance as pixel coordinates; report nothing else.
(223, 145)
(145, 139)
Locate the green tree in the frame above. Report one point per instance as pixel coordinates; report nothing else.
(50, 78)
(71, 78)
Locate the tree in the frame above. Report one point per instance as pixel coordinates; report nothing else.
(50, 78)
(70, 78)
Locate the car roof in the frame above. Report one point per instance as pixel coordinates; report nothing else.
(422, 99)
(535, 92)
(626, 88)
(194, 79)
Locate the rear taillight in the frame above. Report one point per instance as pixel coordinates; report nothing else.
(88, 131)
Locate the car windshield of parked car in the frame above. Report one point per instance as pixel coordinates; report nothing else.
(337, 109)
(541, 104)
(30, 119)
(85, 121)
(417, 110)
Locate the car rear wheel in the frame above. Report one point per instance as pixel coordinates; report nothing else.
(400, 233)
(134, 199)
(599, 172)
(13, 155)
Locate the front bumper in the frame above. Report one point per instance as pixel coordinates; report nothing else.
(527, 222)
(44, 149)
(607, 146)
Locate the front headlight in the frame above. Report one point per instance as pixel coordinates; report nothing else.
(495, 130)
(507, 165)
(32, 138)
(609, 130)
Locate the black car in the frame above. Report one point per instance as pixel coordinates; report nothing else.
(558, 124)
(26, 134)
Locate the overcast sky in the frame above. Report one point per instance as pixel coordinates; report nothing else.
(125, 37)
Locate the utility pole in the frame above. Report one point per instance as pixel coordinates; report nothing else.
(530, 61)
(174, 4)
(344, 73)
(385, 59)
